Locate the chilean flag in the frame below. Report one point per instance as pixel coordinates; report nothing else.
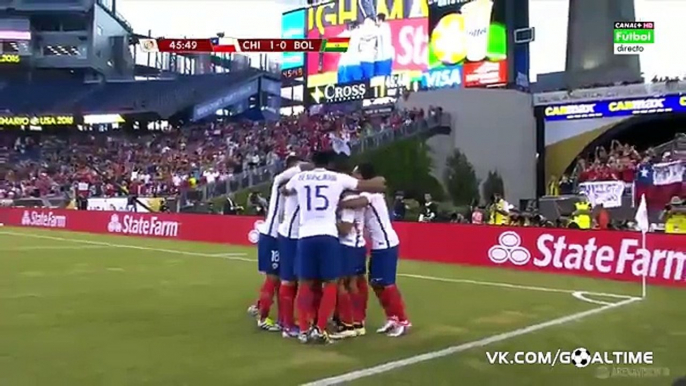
(660, 182)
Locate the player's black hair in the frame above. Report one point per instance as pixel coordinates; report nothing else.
(292, 160)
(321, 159)
(341, 164)
(366, 170)
(381, 17)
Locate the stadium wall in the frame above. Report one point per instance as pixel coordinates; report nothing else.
(496, 130)
(596, 254)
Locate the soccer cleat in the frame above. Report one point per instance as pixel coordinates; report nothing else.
(320, 336)
(360, 330)
(290, 332)
(304, 337)
(253, 310)
(400, 329)
(344, 333)
(390, 324)
(267, 324)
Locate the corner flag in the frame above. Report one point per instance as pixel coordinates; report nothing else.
(642, 215)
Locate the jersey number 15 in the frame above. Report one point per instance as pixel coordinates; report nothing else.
(316, 199)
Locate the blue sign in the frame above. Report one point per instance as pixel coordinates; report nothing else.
(442, 77)
(616, 108)
(293, 27)
(234, 96)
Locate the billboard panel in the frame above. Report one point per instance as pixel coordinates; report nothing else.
(395, 46)
(472, 34)
(293, 27)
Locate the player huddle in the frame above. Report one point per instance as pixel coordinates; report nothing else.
(370, 51)
(312, 251)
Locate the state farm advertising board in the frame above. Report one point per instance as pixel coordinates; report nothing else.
(597, 254)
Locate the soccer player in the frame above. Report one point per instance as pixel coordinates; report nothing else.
(288, 245)
(383, 263)
(368, 46)
(352, 289)
(383, 65)
(267, 248)
(318, 252)
(349, 63)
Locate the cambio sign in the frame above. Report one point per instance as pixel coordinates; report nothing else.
(616, 108)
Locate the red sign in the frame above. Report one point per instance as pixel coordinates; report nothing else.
(482, 74)
(597, 254)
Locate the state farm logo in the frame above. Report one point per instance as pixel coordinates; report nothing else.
(254, 234)
(619, 257)
(143, 225)
(509, 248)
(485, 73)
(114, 225)
(33, 218)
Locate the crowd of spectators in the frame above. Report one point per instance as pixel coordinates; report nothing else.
(166, 162)
(619, 162)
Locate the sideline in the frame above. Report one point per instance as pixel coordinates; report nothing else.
(51, 248)
(241, 257)
(390, 366)
(228, 256)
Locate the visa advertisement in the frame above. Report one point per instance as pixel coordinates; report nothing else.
(444, 77)
(387, 37)
(471, 34)
(293, 27)
(615, 108)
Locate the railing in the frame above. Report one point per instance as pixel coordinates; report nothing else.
(631, 91)
(266, 173)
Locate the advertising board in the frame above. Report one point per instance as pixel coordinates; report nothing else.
(612, 255)
(471, 34)
(293, 27)
(397, 45)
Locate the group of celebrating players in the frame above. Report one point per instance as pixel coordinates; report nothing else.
(312, 251)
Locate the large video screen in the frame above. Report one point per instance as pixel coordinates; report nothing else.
(396, 45)
(293, 27)
(469, 37)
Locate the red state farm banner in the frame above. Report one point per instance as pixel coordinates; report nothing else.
(598, 254)
(189, 227)
(601, 254)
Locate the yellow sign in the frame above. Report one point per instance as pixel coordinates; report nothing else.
(46, 120)
(10, 58)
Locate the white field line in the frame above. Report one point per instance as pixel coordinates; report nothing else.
(390, 366)
(52, 247)
(229, 256)
(517, 286)
(241, 257)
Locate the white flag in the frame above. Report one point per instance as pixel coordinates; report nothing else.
(149, 45)
(642, 215)
(339, 145)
